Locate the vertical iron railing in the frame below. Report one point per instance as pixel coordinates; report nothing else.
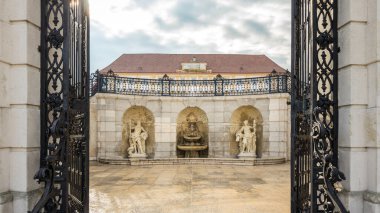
(165, 86)
(301, 149)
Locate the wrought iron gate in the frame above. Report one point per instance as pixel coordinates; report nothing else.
(64, 106)
(314, 166)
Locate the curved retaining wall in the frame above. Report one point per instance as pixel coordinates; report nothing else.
(107, 110)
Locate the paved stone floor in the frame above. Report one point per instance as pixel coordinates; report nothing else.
(189, 189)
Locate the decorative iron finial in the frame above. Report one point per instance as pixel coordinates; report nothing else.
(110, 73)
(218, 77)
(165, 77)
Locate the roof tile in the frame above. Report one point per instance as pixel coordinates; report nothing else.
(170, 63)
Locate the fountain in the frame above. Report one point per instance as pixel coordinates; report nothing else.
(191, 142)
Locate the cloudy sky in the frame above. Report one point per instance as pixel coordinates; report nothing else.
(189, 26)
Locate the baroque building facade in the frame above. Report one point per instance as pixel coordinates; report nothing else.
(253, 88)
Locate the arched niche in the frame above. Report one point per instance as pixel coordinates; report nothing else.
(202, 123)
(130, 118)
(241, 114)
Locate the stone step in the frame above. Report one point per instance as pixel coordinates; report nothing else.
(194, 161)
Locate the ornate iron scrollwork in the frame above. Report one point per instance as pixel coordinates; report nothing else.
(55, 38)
(324, 40)
(64, 96)
(94, 83)
(48, 201)
(219, 82)
(331, 175)
(315, 66)
(166, 86)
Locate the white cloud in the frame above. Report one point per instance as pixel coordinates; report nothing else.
(188, 26)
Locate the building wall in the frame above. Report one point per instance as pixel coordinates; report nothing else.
(359, 103)
(19, 103)
(108, 110)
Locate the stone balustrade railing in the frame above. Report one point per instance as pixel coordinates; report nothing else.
(165, 86)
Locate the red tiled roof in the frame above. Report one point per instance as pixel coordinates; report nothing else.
(170, 63)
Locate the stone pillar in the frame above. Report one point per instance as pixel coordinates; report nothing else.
(165, 124)
(359, 60)
(19, 105)
(372, 47)
(165, 135)
(108, 140)
(100, 126)
(93, 128)
(278, 125)
(219, 129)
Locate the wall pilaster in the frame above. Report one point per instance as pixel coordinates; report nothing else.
(19, 105)
(359, 74)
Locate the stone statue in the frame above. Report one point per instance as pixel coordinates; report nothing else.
(137, 138)
(192, 129)
(246, 137)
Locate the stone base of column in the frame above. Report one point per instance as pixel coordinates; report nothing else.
(247, 155)
(138, 156)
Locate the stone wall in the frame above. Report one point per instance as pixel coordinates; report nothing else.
(107, 112)
(359, 103)
(19, 103)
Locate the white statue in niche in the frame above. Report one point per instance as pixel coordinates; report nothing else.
(137, 138)
(246, 137)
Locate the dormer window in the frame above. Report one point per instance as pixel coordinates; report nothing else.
(194, 66)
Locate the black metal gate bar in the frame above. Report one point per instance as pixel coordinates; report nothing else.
(315, 176)
(77, 152)
(301, 108)
(64, 106)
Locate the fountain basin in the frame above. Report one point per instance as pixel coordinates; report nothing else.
(192, 151)
(192, 148)
(192, 138)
